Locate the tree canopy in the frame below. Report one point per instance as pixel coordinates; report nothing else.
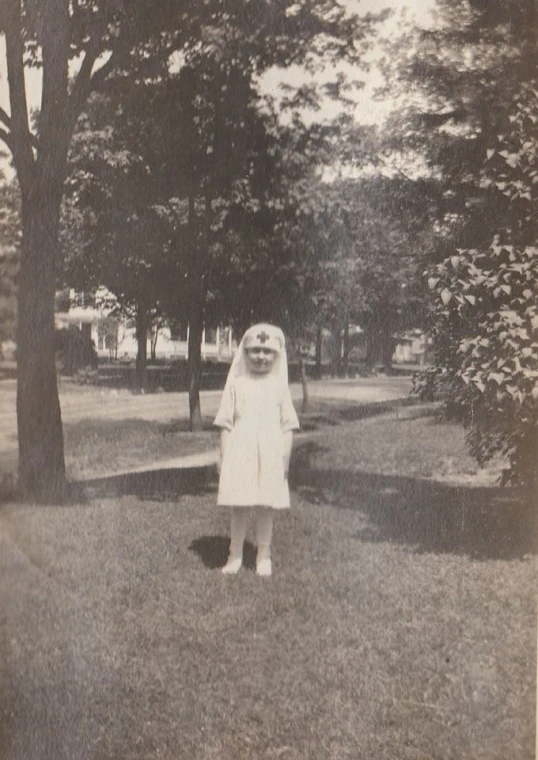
(78, 46)
(482, 76)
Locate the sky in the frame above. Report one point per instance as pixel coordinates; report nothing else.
(368, 109)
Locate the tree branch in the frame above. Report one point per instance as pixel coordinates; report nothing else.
(20, 137)
(115, 60)
(55, 46)
(4, 118)
(102, 73)
(84, 74)
(6, 138)
(85, 82)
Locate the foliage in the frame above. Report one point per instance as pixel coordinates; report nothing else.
(369, 235)
(489, 312)
(86, 376)
(236, 165)
(75, 350)
(9, 258)
(469, 92)
(453, 83)
(424, 384)
(88, 42)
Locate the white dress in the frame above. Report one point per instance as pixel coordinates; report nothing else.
(257, 411)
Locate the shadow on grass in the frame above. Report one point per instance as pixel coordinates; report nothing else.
(153, 485)
(213, 551)
(109, 429)
(482, 523)
(325, 414)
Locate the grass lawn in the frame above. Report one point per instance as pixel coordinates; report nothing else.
(106, 446)
(400, 623)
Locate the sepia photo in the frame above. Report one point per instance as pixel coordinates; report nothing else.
(268, 379)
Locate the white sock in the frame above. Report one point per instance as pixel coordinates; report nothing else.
(264, 532)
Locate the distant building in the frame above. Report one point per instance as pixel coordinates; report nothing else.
(114, 338)
(413, 347)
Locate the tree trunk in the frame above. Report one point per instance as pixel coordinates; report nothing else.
(194, 362)
(196, 325)
(154, 337)
(340, 338)
(304, 383)
(141, 371)
(41, 448)
(371, 348)
(319, 343)
(345, 350)
(387, 350)
(41, 178)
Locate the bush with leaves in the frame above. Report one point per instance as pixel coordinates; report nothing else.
(487, 326)
(75, 350)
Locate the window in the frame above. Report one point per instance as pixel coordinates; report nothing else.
(178, 331)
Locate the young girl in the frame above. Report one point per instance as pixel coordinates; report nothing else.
(257, 420)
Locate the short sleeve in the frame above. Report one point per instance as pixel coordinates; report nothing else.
(288, 416)
(225, 415)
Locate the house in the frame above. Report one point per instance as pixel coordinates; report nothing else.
(114, 338)
(413, 347)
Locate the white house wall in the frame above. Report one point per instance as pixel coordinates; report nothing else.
(166, 347)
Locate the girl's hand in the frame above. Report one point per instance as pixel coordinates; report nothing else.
(287, 443)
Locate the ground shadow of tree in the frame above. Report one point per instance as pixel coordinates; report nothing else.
(427, 516)
(213, 551)
(107, 428)
(154, 485)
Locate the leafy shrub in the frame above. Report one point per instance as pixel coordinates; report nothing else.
(86, 376)
(424, 383)
(74, 350)
(487, 324)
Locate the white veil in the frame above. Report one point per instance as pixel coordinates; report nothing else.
(261, 334)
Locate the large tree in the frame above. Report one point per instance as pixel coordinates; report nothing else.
(117, 228)
(98, 38)
(476, 122)
(179, 225)
(487, 315)
(368, 235)
(50, 35)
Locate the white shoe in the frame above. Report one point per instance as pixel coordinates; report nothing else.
(264, 567)
(232, 567)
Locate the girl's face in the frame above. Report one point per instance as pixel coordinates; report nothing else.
(260, 360)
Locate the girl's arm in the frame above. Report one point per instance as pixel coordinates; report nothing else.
(224, 438)
(288, 440)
